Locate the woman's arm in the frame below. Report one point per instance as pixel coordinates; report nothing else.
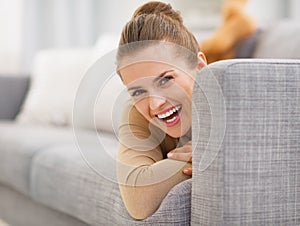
(145, 178)
(145, 186)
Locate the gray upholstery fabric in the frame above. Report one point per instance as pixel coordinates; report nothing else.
(45, 164)
(62, 180)
(279, 41)
(18, 144)
(12, 94)
(254, 178)
(246, 47)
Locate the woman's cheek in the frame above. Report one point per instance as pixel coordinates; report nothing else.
(143, 107)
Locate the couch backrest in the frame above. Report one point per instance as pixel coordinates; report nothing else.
(246, 143)
(281, 40)
(278, 40)
(12, 94)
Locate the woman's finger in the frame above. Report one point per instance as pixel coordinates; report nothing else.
(188, 171)
(184, 149)
(187, 157)
(183, 153)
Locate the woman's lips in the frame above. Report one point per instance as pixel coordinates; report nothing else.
(170, 116)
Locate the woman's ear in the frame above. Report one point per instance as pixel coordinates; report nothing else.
(202, 62)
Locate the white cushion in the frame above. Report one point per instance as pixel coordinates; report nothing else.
(55, 78)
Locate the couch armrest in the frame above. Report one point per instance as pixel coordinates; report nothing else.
(246, 158)
(12, 93)
(175, 209)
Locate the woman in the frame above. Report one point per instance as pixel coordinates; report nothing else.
(158, 59)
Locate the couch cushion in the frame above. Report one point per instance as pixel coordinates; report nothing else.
(279, 41)
(77, 176)
(18, 144)
(62, 179)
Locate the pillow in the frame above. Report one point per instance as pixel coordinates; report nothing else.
(55, 78)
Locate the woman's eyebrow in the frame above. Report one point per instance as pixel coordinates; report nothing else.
(161, 75)
(135, 87)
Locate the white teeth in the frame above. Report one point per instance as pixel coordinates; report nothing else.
(168, 113)
(171, 120)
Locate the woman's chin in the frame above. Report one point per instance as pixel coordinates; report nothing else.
(176, 132)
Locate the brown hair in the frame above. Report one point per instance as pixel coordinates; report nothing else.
(157, 21)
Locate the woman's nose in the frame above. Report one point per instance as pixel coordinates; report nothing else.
(156, 101)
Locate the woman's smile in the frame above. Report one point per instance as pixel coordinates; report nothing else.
(170, 116)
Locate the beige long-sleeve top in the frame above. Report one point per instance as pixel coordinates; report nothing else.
(145, 174)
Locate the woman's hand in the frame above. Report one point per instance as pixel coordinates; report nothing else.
(183, 153)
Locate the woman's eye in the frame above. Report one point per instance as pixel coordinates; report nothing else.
(165, 80)
(138, 92)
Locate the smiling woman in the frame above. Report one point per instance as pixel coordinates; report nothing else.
(158, 59)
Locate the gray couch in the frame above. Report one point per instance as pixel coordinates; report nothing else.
(245, 164)
(247, 144)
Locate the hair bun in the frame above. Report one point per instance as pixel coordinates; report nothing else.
(158, 8)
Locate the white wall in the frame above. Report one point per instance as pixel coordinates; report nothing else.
(116, 13)
(10, 35)
(295, 9)
(113, 15)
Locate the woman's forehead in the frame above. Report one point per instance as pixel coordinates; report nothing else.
(144, 71)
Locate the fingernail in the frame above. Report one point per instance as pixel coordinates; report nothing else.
(170, 155)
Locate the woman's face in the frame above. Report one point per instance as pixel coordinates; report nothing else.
(162, 93)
